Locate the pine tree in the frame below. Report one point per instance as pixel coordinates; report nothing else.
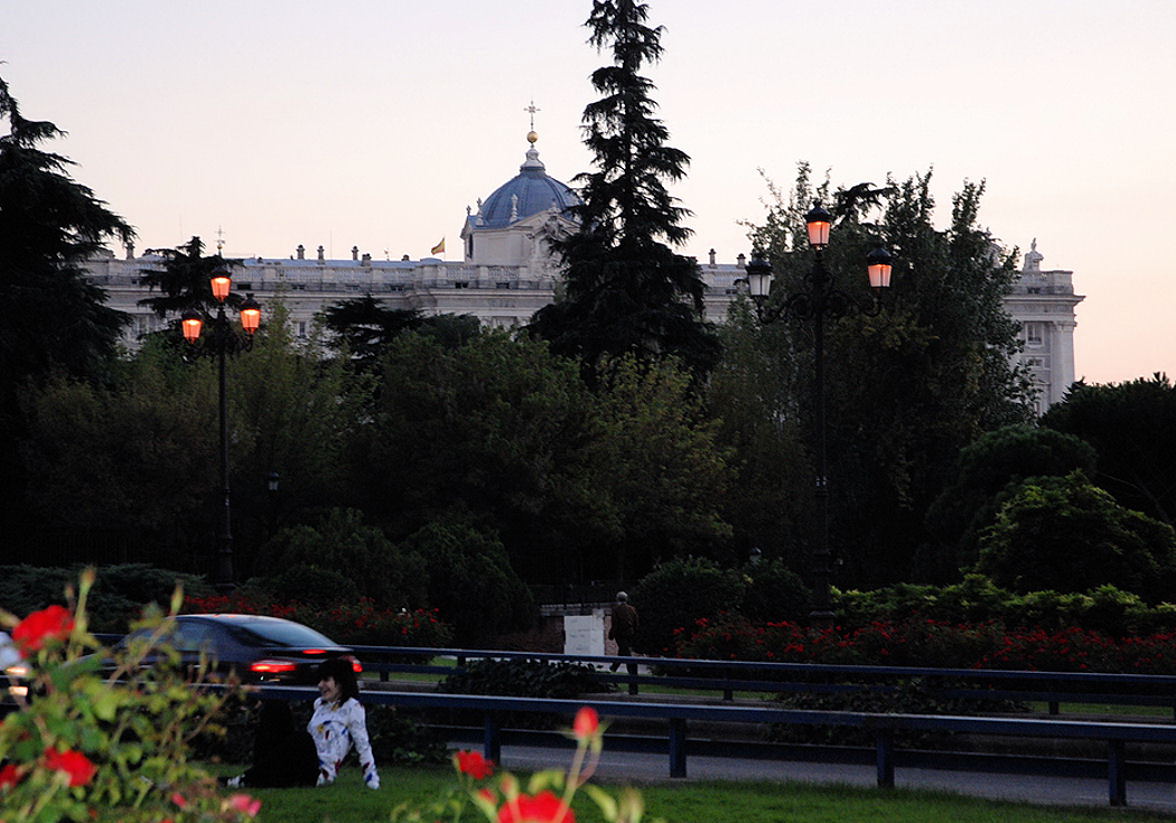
(52, 316)
(53, 319)
(626, 289)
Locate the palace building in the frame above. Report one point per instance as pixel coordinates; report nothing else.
(507, 273)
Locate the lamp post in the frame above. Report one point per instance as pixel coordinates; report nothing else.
(818, 300)
(192, 323)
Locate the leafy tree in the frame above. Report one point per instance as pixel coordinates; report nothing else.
(658, 464)
(751, 393)
(129, 461)
(1132, 426)
(491, 433)
(906, 389)
(52, 318)
(1064, 533)
(296, 414)
(626, 290)
(995, 462)
(149, 438)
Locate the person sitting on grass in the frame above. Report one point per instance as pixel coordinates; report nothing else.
(340, 721)
(283, 757)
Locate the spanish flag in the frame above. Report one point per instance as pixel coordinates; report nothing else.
(439, 248)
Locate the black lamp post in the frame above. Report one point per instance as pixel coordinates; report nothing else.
(192, 322)
(820, 299)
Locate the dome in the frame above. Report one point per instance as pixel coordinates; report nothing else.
(528, 193)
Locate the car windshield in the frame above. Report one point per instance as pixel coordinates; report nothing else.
(283, 633)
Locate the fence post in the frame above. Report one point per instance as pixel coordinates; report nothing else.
(677, 747)
(1116, 774)
(491, 742)
(884, 756)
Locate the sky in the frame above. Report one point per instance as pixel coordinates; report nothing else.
(376, 122)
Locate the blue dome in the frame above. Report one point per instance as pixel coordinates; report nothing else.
(536, 192)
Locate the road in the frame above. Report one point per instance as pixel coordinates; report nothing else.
(651, 767)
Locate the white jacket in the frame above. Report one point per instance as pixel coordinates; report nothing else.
(334, 728)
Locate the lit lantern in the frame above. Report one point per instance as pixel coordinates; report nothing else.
(191, 323)
(250, 314)
(819, 222)
(221, 282)
(878, 266)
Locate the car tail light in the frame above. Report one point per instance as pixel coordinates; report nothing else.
(271, 666)
(356, 666)
(314, 651)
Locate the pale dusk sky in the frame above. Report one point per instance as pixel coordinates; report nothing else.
(375, 123)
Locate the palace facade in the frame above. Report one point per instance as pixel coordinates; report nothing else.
(507, 273)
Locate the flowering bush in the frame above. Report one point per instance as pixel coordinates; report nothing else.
(548, 795)
(360, 622)
(101, 736)
(919, 641)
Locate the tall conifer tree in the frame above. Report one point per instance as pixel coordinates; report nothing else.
(52, 318)
(627, 290)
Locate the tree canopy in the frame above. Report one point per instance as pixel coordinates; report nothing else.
(1132, 426)
(906, 389)
(53, 319)
(1065, 534)
(626, 291)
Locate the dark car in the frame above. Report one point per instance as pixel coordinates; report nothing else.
(258, 648)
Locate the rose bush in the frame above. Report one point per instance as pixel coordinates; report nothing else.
(922, 642)
(100, 736)
(548, 795)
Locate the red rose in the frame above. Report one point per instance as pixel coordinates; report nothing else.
(473, 764)
(544, 807)
(75, 764)
(9, 776)
(586, 724)
(39, 628)
(245, 803)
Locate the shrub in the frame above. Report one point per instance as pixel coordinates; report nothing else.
(522, 678)
(118, 595)
(679, 592)
(311, 585)
(87, 748)
(341, 543)
(471, 582)
(774, 592)
(1064, 533)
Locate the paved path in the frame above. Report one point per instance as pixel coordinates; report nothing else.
(642, 767)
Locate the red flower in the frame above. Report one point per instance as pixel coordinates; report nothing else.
(9, 776)
(45, 626)
(587, 723)
(244, 803)
(544, 807)
(179, 799)
(75, 764)
(473, 764)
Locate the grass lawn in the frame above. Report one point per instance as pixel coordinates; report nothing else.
(348, 801)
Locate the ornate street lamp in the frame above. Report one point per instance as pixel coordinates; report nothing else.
(192, 323)
(820, 299)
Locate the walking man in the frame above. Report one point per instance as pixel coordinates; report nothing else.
(624, 628)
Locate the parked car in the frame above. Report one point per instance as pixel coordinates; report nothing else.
(259, 649)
